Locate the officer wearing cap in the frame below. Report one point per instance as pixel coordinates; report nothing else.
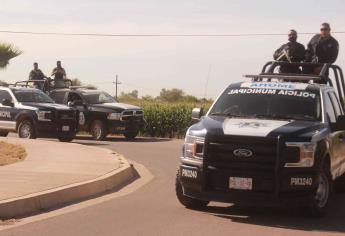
(323, 48)
(290, 52)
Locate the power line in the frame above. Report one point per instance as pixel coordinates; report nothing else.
(154, 35)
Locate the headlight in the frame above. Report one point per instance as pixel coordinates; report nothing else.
(194, 147)
(306, 154)
(114, 116)
(44, 115)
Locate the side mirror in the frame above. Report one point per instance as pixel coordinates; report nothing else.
(197, 113)
(7, 102)
(340, 124)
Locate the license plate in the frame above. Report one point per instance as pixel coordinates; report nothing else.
(120, 128)
(241, 183)
(65, 128)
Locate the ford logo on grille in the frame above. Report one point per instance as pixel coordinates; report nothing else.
(243, 153)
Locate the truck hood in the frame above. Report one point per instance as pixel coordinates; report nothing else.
(255, 127)
(116, 106)
(50, 106)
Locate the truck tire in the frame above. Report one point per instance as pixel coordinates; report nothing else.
(131, 135)
(339, 184)
(66, 139)
(186, 201)
(3, 134)
(26, 130)
(98, 130)
(324, 193)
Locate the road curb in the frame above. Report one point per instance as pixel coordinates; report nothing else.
(53, 198)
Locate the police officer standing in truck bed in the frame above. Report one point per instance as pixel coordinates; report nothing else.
(37, 74)
(323, 48)
(290, 52)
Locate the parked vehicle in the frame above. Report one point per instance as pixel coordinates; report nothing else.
(31, 113)
(99, 113)
(276, 139)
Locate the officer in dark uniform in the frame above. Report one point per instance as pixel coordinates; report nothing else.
(290, 52)
(37, 74)
(323, 48)
(59, 74)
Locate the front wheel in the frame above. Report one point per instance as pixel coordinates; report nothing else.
(324, 193)
(131, 135)
(26, 130)
(98, 130)
(186, 201)
(66, 139)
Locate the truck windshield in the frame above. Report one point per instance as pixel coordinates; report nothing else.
(98, 98)
(269, 103)
(36, 96)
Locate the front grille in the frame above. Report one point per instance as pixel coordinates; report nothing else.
(135, 115)
(220, 153)
(66, 115)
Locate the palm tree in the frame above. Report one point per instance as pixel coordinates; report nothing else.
(7, 52)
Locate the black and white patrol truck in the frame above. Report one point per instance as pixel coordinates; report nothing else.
(31, 113)
(99, 113)
(276, 139)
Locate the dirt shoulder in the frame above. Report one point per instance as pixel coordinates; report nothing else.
(11, 153)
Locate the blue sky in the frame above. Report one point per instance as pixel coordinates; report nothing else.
(149, 64)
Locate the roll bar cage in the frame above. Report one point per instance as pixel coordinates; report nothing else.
(46, 85)
(268, 73)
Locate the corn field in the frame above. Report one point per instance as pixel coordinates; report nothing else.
(168, 120)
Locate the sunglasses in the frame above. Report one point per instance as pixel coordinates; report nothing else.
(324, 29)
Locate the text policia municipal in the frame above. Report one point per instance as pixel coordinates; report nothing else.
(304, 94)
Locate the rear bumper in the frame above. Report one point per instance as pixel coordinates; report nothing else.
(212, 185)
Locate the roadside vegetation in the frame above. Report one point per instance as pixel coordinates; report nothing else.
(169, 114)
(11, 153)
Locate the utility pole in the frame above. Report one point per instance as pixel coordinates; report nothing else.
(117, 82)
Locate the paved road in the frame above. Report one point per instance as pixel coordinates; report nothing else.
(154, 210)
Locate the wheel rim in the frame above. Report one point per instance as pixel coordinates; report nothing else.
(25, 131)
(322, 192)
(97, 131)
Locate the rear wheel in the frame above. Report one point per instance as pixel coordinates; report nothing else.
(26, 130)
(3, 134)
(185, 200)
(324, 193)
(98, 130)
(131, 135)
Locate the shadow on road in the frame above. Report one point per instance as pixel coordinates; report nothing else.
(122, 139)
(285, 218)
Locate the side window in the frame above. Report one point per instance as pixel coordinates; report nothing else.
(329, 110)
(58, 97)
(5, 95)
(72, 97)
(336, 104)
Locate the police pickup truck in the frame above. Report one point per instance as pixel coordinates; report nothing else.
(31, 113)
(99, 113)
(275, 139)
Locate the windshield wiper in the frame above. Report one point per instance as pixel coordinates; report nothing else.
(292, 117)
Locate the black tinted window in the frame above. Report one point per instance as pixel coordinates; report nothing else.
(36, 96)
(269, 103)
(5, 95)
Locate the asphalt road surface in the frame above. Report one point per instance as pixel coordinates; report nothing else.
(154, 210)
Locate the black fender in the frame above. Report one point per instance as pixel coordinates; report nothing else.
(25, 115)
